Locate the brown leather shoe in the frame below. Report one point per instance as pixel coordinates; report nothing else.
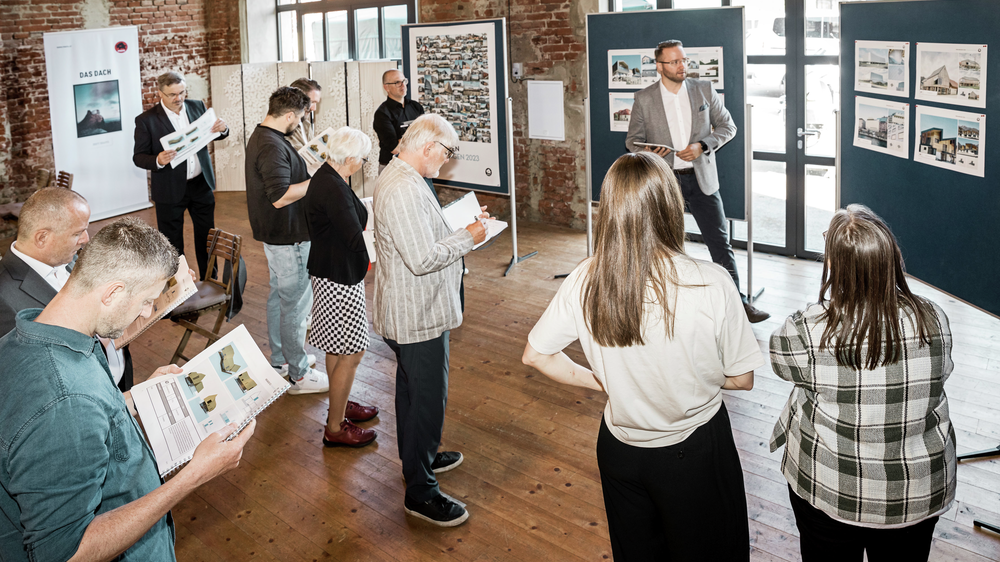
(349, 435)
(755, 314)
(358, 413)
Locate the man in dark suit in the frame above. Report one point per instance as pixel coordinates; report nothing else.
(51, 229)
(689, 116)
(188, 186)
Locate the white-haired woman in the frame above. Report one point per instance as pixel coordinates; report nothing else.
(337, 265)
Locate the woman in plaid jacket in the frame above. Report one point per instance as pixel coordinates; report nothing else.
(869, 447)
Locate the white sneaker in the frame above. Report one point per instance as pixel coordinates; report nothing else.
(283, 370)
(313, 382)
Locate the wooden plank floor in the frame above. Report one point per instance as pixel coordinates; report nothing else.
(530, 477)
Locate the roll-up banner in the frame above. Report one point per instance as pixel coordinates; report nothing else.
(94, 97)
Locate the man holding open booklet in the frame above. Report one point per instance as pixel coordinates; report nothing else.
(79, 480)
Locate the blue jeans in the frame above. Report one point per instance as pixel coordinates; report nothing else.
(288, 304)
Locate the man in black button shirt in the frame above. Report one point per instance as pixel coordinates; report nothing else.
(393, 116)
(277, 179)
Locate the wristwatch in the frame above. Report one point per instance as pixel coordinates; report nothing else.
(704, 147)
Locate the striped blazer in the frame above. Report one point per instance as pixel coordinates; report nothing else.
(418, 269)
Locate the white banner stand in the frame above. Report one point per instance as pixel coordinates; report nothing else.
(95, 94)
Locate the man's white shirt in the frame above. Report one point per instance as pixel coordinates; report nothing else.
(56, 277)
(180, 121)
(677, 108)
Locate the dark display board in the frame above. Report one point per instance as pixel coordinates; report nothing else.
(946, 221)
(482, 162)
(711, 27)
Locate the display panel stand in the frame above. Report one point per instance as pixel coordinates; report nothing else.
(515, 259)
(748, 179)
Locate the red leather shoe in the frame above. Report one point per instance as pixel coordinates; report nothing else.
(358, 413)
(349, 435)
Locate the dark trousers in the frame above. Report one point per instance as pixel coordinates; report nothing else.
(823, 538)
(199, 202)
(421, 397)
(708, 212)
(681, 502)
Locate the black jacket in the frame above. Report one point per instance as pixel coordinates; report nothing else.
(389, 124)
(168, 184)
(336, 219)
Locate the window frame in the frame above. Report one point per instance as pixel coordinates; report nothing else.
(322, 7)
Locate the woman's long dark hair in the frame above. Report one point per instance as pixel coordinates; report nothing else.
(639, 229)
(864, 276)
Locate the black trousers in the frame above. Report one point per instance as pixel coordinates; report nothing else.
(823, 538)
(710, 215)
(421, 397)
(679, 503)
(199, 202)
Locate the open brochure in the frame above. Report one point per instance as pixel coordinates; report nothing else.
(179, 288)
(316, 150)
(192, 138)
(369, 232)
(465, 210)
(230, 382)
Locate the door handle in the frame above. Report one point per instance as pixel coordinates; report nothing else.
(800, 132)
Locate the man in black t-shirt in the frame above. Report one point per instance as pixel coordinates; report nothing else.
(393, 116)
(277, 179)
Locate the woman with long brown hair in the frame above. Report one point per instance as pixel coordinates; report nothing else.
(869, 447)
(664, 334)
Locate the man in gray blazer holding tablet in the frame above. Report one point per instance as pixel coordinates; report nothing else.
(684, 121)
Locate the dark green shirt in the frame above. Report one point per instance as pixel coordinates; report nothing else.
(69, 450)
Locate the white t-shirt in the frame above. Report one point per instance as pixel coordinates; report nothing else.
(660, 392)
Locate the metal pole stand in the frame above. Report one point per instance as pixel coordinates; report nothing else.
(515, 259)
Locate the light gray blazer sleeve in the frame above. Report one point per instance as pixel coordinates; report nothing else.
(409, 217)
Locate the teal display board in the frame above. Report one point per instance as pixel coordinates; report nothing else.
(946, 221)
(712, 27)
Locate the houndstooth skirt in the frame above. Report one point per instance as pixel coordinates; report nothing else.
(339, 322)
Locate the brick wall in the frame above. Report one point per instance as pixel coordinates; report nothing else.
(183, 35)
(547, 36)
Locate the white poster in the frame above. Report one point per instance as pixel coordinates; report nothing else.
(620, 106)
(706, 64)
(950, 139)
(882, 126)
(94, 98)
(631, 69)
(882, 67)
(453, 73)
(951, 73)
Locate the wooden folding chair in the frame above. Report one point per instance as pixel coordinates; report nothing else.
(64, 180)
(213, 294)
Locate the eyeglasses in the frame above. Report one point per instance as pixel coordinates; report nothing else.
(673, 62)
(452, 150)
(175, 96)
(364, 160)
(404, 82)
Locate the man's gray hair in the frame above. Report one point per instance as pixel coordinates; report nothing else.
(168, 78)
(346, 143)
(429, 127)
(46, 209)
(127, 250)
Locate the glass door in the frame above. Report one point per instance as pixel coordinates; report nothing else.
(793, 84)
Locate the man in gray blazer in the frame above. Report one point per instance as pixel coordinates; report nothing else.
(417, 279)
(689, 111)
(51, 229)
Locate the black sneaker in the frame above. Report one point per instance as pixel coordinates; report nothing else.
(446, 460)
(441, 511)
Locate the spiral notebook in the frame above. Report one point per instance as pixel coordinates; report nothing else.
(230, 382)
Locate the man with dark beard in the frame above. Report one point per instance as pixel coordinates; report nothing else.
(277, 179)
(78, 480)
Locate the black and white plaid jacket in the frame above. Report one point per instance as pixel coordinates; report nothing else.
(872, 447)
